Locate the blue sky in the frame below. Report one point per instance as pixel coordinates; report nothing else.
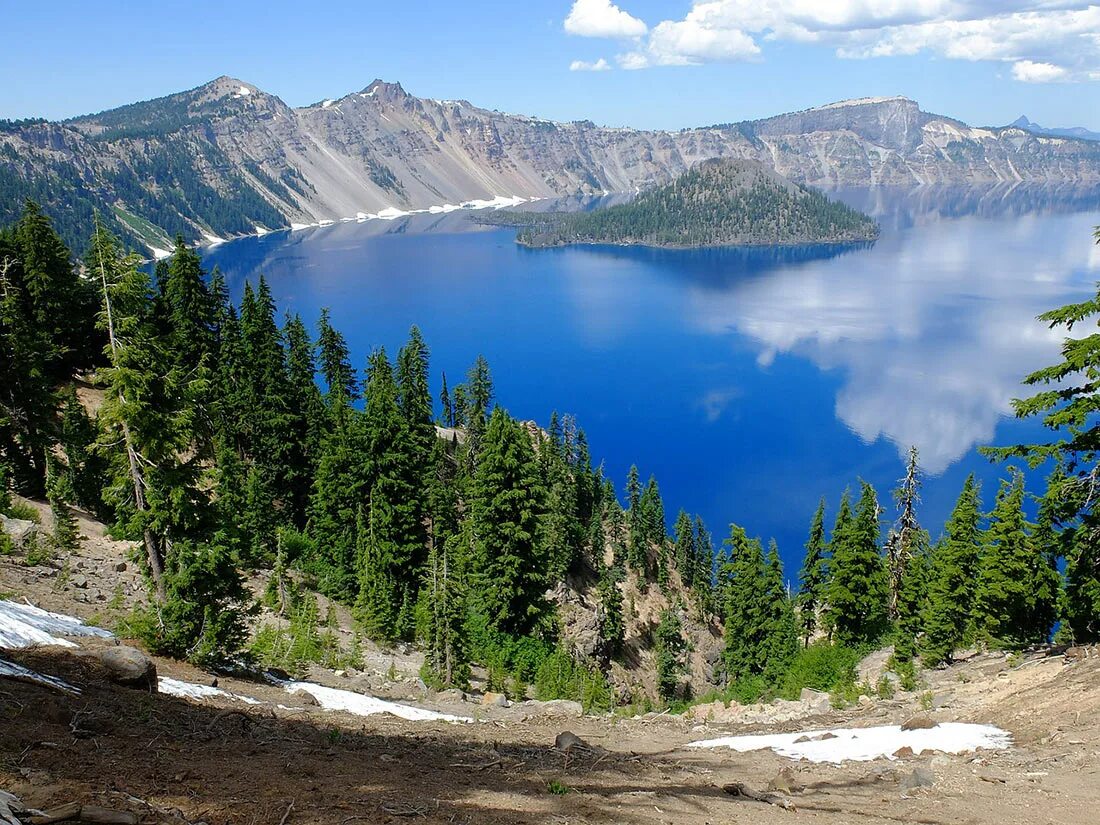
(668, 64)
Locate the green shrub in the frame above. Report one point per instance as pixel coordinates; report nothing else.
(821, 666)
(885, 688)
(24, 512)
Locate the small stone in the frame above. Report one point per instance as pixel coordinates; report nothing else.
(79, 581)
(340, 674)
(120, 567)
(306, 699)
(919, 778)
(904, 752)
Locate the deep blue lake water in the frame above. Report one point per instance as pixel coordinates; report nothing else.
(750, 382)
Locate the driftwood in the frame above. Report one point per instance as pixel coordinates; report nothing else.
(742, 791)
(84, 813)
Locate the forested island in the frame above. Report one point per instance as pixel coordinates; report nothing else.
(721, 202)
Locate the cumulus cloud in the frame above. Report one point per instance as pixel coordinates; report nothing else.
(602, 18)
(1029, 71)
(1042, 40)
(600, 65)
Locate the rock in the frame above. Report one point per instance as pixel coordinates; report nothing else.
(79, 581)
(451, 695)
(306, 699)
(919, 722)
(815, 701)
(904, 752)
(710, 711)
(496, 700)
(567, 741)
(784, 782)
(130, 667)
(22, 533)
(918, 778)
(340, 674)
(555, 707)
(866, 702)
(120, 567)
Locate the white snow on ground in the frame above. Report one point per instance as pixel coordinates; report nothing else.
(18, 671)
(189, 690)
(212, 240)
(24, 625)
(496, 203)
(260, 231)
(864, 744)
(244, 91)
(326, 103)
(362, 705)
(159, 253)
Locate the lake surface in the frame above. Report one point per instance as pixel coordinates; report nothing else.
(750, 382)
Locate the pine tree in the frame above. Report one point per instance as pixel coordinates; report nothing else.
(813, 580)
(147, 418)
(307, 418)
(59, 493)
(670, 648)
(335, 362)
(84, 467)
(907, 537)
(444, 590)
(652, 511)
(446, 405)
(858, 588)
(685, 547)
(950, 611)
(1067, 401)
(703, 578)
(375, 606)
(742, 589)
(190, 309)
(1017, 589)
(505, 507)
(781, 643)
(637, 552)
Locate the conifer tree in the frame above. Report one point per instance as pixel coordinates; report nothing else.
(147, 418)
(858, 588)
(190, 309)
(781, 644)
(744, 602)
(306, 418)
(1017, 588)
(950, 610)
(1066, 401)
(446, 405)
(59, 493)
(84, 467)
(505, 507)
(375, 606)
(671, 650)
(335, 362)
(813, 580)
(653, 514)
(685, 547)
(637, 551)
(444, 589)
(703, 578)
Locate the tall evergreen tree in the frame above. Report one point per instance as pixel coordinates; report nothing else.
(505, 507)
(1017, 588)
(685, 547)
(745, 608)
(781, 643)
(813, 580)
(637, 551)
(191, 309)
(1067, 401)
(306, 419)
(858, 588)
(335, 362)
(703, 578)
(950, 610)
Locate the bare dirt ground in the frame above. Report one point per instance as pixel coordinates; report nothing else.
(220, 761)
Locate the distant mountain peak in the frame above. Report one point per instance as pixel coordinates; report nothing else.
(865, 101)
(1022, 122)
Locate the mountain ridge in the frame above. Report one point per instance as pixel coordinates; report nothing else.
(226, 158)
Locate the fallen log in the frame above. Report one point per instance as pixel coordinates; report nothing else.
(742, 791)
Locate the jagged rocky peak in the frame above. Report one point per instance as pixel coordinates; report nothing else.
(384, 91)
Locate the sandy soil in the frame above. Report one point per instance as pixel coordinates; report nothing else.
(219, 761)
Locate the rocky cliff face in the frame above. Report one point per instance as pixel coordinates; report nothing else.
(227, 158)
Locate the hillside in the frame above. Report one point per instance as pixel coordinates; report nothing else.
(721, 202)
(228, 159)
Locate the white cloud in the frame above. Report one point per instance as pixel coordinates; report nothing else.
(1043, 40)
(1028, 71)
(602, 18)
(600, 65)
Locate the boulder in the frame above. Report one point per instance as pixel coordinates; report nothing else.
(128, 666)
(306, 699)
(815, 701)
(496, 700)
(22, 533)
(79, 581)
(919, 722)
(555, 707)
(120, 567)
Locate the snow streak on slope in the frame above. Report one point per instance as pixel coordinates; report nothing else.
(362, 705)
(24, 625)
(865, 744)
